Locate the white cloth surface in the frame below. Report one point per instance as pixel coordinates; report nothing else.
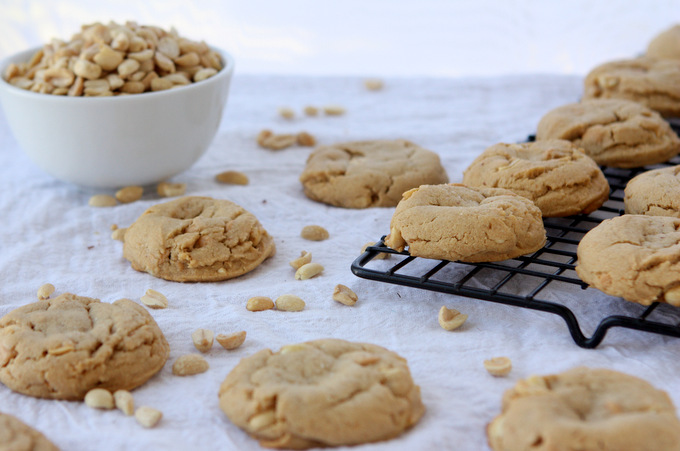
(50, 234)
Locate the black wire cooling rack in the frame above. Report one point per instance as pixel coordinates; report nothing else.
(555, 262)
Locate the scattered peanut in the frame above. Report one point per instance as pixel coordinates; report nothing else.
(344, 295)
(232, 177)
(498, 366)
(155, 300)
(290, 303)
(286, 113)
(333, 110)
(102, 200)
(231, 341)
(304, 258)
(45, 291)
(148, 416)
(305, 139)
(129, 194)
(311, 110)
(380, 256)
(268, 140)
(203, 339)
(259, 303)
(314, 233)
(373, 84)
(308, 270)
(124, 55)
(99, 398)
(451, 319)
(119, 234)
(165, 189)
(189, 364)
(124, 401)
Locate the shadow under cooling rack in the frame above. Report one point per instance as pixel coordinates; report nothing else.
(524, 281)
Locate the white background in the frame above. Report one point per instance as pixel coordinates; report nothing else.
(379, 37)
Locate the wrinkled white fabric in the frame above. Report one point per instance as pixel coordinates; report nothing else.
(50, 234)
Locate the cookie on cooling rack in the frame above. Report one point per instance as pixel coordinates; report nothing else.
(366, 174)
(555, 174)
(326, 392)
(15, 435)
(63, 347)
(613, 132)
(655, 193)
(636, 257)
(666, 44)
(460, 223)
(197, 239)
(585, 409)
(649, 81)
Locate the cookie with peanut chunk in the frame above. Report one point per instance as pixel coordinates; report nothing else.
(649, 81)
(366, 174)
(555, 174)
(15, 435)
(585, 409)
(613, 132)
(460, 223)
(61, 348)
(197, 239)
(636, 257)
(326, 392)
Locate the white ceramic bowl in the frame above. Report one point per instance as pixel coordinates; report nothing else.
(110, 142)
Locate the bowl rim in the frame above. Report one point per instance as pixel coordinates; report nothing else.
(225, 72)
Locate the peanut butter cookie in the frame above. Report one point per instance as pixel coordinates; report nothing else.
(666, 44)
(585, 409)
(369, 173)
(655, 193)
(197, 239)
(63, 347)
(456, 222)
(636, 257)
(15, 435)
(651, 82)
(555, 174)
(322, 393)
(613, 132)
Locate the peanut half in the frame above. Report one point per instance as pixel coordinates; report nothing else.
(99, 398)
(498, 366)
(165, 189)
(307, 271)
(304, 258)
(259, 303)
(190, 364)
(450, 319)
(286, 112)
(203, 339)
(45, 291)
(232, 178)
(231, 341)
(129, 194)
(124, 401)
(148, 416)
(102, 200)
(314, 233)
(344, 295)
(154, 299)
(290, 303)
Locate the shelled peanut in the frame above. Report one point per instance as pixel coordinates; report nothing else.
(114, 59)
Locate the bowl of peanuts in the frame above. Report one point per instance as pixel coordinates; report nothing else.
(116, 105)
